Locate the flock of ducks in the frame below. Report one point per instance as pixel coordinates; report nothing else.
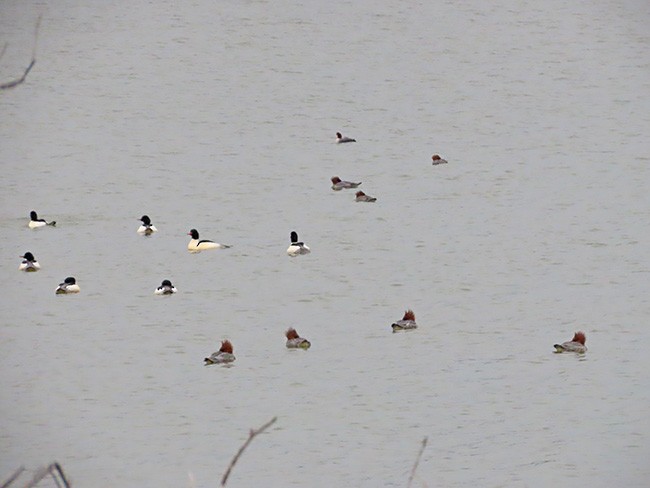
(296, 248)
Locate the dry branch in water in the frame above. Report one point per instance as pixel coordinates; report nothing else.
(11, 84)
(251, 436)
(417, 461)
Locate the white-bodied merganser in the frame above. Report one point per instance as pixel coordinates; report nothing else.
(340, 139)
(436, 159)
(407, 322)
(147, 228)
(69, 285)
(338, 184)
(362, 197)
(297, 248)
(223, 355)
(29, 263)
(35, 222)
(195, 245)
(166, 288)
(294, 341)
(577, 344)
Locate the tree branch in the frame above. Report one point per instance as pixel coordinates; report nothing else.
(251, 436)
(417, 461)
(11, 84)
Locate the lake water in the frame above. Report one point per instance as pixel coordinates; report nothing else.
(220, 116)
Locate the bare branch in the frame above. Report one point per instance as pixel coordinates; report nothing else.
(251, 436)
(417, 461)
(11, 84)
(13, 477)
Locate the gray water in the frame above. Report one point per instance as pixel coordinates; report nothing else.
(220, 116)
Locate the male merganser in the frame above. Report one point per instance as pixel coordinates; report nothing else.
(294, 341)
(296, 248)
(438, 160)
(577, 344)
(195, 245)
(29, 263)
(362, 197)
(338, 184)
(166, 288)
(147, 228)
(69, 285)
(223, 355)
(340, 139)
(35, 222)
(407, 322)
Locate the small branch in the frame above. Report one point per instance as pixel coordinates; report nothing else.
(13, 477)
(251, 436)
(417, 461)
(11, 84)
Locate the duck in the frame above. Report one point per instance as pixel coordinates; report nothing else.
(577, 344)
(297, 248)
(340, 139)
(69, 285)
(338, 184)
(35, 222)
(166, 288)
(195, 245)
(147, 228)
(29, 263)
(223, 355)
(294, 341)
(436, 159)
(362, 197)
(407, 322)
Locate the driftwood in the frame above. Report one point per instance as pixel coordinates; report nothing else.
(417, 461)
(54, 469)
(11, 84)
(251, 436)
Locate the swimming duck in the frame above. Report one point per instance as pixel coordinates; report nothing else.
(294, 341)
(35, 222)
(69, 285)
(340, 139)
(29, 263)
(147, 228)
(338, 184)
(166, 288)
(407, 322)
(195, 245)
(223, 355)
(297, 248)
(436, 159)
(362, 197)
(577, 344)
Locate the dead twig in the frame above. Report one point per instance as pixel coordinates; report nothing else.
(11, 84)
(417, 461)
(13, 477)
(251, 436)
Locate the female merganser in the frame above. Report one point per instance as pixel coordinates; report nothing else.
(340, 139)
(294, 341)
(407, 322)
(338, 184)
(147, 228)
(438, 160)
(69, 285)
(362, 197)
(577, 344)
(29, 263)
(166, 288)
(35, 222)
(223, 355)
(195, 245)
(296, 248)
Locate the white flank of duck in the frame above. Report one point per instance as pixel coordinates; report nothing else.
(69, 285)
